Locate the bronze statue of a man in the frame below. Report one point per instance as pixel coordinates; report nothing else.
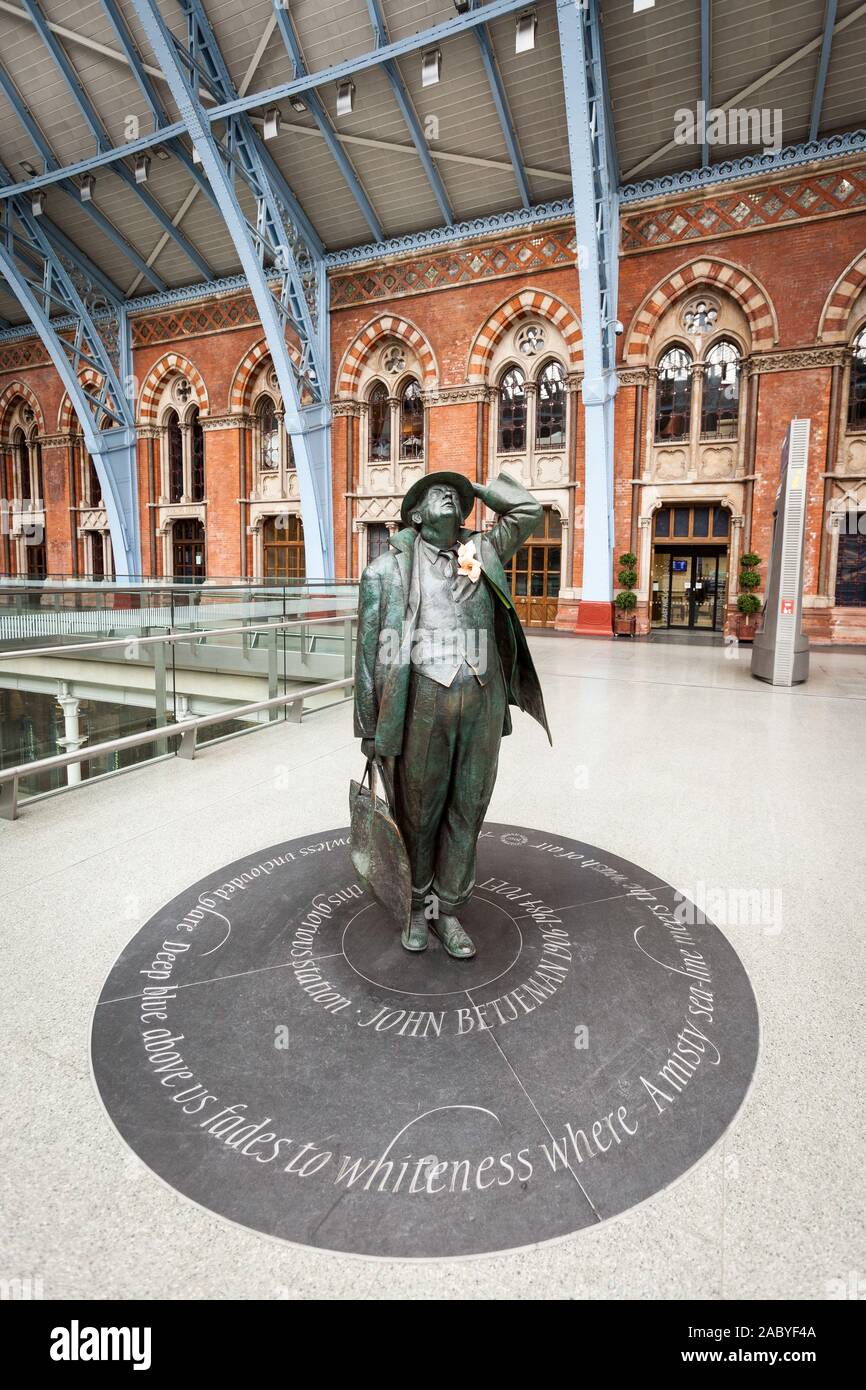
(440, 657)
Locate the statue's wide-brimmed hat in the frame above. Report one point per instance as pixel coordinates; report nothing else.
(460, 483)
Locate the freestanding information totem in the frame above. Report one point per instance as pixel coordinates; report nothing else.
(780, 653)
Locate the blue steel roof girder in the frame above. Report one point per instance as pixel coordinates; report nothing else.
(25, 116)
(103, 140)
(37, 275)
(823, 67)
(706, 70)
(408, 112)
(424, 38)
(503, 111)
(300, 300)
(150, 94)
(323, 121)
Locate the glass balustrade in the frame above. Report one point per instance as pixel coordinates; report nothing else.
(64, 687)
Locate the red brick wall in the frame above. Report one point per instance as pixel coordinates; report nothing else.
(797, 265)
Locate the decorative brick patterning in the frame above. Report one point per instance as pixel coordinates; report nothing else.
(29, 353)
(824, 194)
(742, 286)
(833, 327)
(385, 326)
(194, 320)
(170, 364)
(14, 391)
(527, 303)
(460, 265)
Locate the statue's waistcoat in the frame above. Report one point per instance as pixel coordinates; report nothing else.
(455, 622)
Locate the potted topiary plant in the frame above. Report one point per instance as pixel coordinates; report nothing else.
(626, 600)
(748, 603)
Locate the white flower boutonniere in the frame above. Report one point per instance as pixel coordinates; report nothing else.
(468, 562)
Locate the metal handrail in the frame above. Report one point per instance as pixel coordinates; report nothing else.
(184, 635)
(187, 732)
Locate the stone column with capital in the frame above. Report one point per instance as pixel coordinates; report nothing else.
(72, 736)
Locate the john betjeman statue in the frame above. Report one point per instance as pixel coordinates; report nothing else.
(440, 657)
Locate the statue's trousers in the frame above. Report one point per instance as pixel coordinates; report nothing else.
(444, 780)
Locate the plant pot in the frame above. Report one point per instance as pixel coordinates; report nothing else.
(747, 626)
(624, 624)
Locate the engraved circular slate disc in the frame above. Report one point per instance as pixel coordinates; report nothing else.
(266, 1046)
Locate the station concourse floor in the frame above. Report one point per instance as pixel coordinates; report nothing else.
(667, 755)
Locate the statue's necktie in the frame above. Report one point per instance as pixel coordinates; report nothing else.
(447, 562)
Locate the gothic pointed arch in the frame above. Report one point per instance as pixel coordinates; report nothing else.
(15, 391)
(833, 323)
(383, 327)
(724, 277)
(528, 303)
(171, 364)
(247, 373)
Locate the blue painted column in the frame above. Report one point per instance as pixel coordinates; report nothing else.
(596, 217)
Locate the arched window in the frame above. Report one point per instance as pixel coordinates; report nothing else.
(720, 399)
(550, 408)
(411, 422)
(21, 451)
(673, 395)
(174, 447)
(283, 548)
(379, 432)
(269, 435)
(95, 487)
(512, 412)
(857, 386)
(197, 451)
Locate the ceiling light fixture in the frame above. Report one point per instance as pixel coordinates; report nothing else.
(37, 202)
(345, 98)
(297, 104)
(85, 188)
(524, 36)
(142, 168)
(431, 67)
(271, 128)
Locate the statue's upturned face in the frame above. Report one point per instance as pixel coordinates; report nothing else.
(439, 507)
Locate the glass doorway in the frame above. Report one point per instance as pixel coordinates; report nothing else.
(689, 589)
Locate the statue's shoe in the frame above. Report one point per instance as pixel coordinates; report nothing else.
(454, 938)
(414, 937)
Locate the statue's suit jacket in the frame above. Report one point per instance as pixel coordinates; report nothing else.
(382, 669)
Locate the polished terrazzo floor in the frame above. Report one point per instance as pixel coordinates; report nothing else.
(667, 755)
